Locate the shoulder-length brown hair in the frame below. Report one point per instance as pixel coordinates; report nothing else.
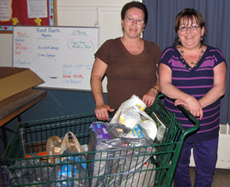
(189, 14)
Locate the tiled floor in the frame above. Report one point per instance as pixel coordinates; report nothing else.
(222, 179)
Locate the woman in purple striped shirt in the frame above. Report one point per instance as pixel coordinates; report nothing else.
(194, 75)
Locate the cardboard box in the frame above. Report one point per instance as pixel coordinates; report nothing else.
(16, 83)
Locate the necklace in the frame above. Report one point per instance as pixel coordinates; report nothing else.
(193, 63)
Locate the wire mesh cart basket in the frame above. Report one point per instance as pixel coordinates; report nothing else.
(129, 165)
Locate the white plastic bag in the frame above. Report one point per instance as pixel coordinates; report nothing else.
(133, 102)
(131, 113)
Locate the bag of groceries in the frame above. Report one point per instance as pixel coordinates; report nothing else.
(56, 146)
(131, 114)
(118, 160)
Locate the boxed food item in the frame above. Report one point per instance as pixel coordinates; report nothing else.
(137, 132)
(16, 83)
(101, 130)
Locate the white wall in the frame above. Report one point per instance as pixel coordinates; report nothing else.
(6, 50)
(104, 14)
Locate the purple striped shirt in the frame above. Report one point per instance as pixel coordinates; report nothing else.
(196, 82)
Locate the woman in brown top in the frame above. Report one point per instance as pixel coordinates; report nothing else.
(129, 62)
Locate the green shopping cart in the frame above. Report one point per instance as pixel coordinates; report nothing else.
(146, 165)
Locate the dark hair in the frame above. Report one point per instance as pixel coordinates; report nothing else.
(189, 14)
(135, 4)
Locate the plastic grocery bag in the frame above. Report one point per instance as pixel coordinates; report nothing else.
(71, 171)
(30, 171)
(131, 113)
(117, 159)
(125, 113)
(71, 168)
(53, 146)
(71, 144)
(56, 146)
(144, 176)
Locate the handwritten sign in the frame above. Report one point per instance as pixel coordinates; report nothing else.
(62, 56)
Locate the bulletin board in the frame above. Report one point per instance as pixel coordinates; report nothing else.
(27, 12)
(62, 56)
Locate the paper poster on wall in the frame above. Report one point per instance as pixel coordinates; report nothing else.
(37, 8)
(26, 12)
(62, 56)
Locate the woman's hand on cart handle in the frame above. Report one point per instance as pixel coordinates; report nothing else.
(101, 112)
(150, 96)
(192, 105)
(182, 106)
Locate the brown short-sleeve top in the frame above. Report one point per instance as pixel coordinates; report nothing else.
(128, 74)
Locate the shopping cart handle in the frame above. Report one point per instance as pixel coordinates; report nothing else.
(190, 117)
(187, 114)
